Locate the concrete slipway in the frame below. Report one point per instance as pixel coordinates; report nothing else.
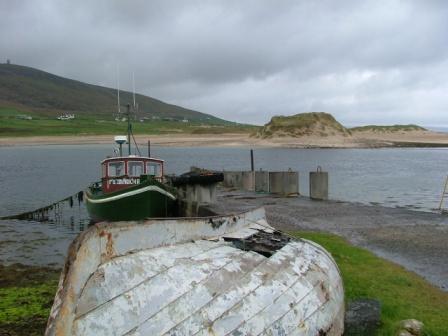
(228, 275)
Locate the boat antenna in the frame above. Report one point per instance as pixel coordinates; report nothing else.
(128, 113)
(133, 88)
(118, 89)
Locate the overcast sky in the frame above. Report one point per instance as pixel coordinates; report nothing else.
(365, 62)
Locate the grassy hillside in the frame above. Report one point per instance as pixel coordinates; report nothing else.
(11, 124)
(304, 124)
(388, 129)
(31, 90)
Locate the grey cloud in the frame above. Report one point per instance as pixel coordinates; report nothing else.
(363, 61)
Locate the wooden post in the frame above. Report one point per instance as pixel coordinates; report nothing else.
(252, 160)
(149, 148)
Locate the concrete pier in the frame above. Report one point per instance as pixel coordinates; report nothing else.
(262, 181)
(319, 185)
(248, 180)
(193, 198)
(233, 179)
(284, 183)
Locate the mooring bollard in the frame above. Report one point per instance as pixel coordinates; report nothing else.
(262, 181)
(284, 183)
(233, 179)
(319, 184)
(248, 180)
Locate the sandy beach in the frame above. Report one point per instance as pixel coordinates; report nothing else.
(357, 140)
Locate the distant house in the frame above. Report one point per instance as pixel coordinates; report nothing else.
(24, 117)
(185, 120)
(66, 117)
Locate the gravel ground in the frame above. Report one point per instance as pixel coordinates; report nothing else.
(414, 239)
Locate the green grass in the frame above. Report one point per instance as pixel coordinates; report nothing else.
(26, 297)
(302, 124)
(21, 303)
(43, 125)
(402, 294)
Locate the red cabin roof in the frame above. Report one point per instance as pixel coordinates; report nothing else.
(123, 172)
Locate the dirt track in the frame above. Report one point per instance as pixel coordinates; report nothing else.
(416, 240)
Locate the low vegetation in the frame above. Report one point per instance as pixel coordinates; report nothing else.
(387, 129)
(14, 122)
(26, 297)
(403, 294)
(304, 124)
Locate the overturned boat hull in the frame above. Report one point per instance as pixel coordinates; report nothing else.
(232, 275)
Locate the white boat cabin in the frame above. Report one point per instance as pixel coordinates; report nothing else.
(123, 172)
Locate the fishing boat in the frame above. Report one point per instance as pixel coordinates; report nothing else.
(132, 187)
(220, 275)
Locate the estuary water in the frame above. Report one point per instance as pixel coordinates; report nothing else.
(35, 176)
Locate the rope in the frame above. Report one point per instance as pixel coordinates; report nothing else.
(38, 214)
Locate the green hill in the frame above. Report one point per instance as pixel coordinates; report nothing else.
(30, 90)
(388, 129)
(303, 124)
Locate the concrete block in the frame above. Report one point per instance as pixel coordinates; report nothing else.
(196, 193)
(284, 183)
(262, 181)
(233, 179)
(319, 185)
(248, 180)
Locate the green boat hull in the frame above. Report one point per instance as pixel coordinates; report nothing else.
(134, 203)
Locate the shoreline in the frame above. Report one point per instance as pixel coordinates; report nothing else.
(238, 140)
(413, 239)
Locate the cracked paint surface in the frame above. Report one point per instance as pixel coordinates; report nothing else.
(194, 277)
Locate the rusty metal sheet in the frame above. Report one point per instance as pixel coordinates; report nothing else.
(202, 276)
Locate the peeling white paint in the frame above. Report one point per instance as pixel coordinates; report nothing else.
(166, 277)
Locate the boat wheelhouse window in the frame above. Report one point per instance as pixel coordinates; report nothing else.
(116, 168)
(153, 168)
(135, 168)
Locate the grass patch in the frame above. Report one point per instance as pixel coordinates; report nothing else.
(26, 297)
(402, 294)
(311, 123)
(44, 125)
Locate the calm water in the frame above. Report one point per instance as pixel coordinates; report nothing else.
(34, 176)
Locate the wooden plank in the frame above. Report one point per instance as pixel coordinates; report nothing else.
(202, 294)
(120, 274)
(127, 311)
(202, 321)
(179, 277)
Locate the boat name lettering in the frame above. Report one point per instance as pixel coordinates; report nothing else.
(125, 181)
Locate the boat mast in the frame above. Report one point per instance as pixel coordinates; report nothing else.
(128, 112)
(118, 90)
(133, 88)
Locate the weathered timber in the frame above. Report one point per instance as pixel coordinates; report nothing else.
(229, 275)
